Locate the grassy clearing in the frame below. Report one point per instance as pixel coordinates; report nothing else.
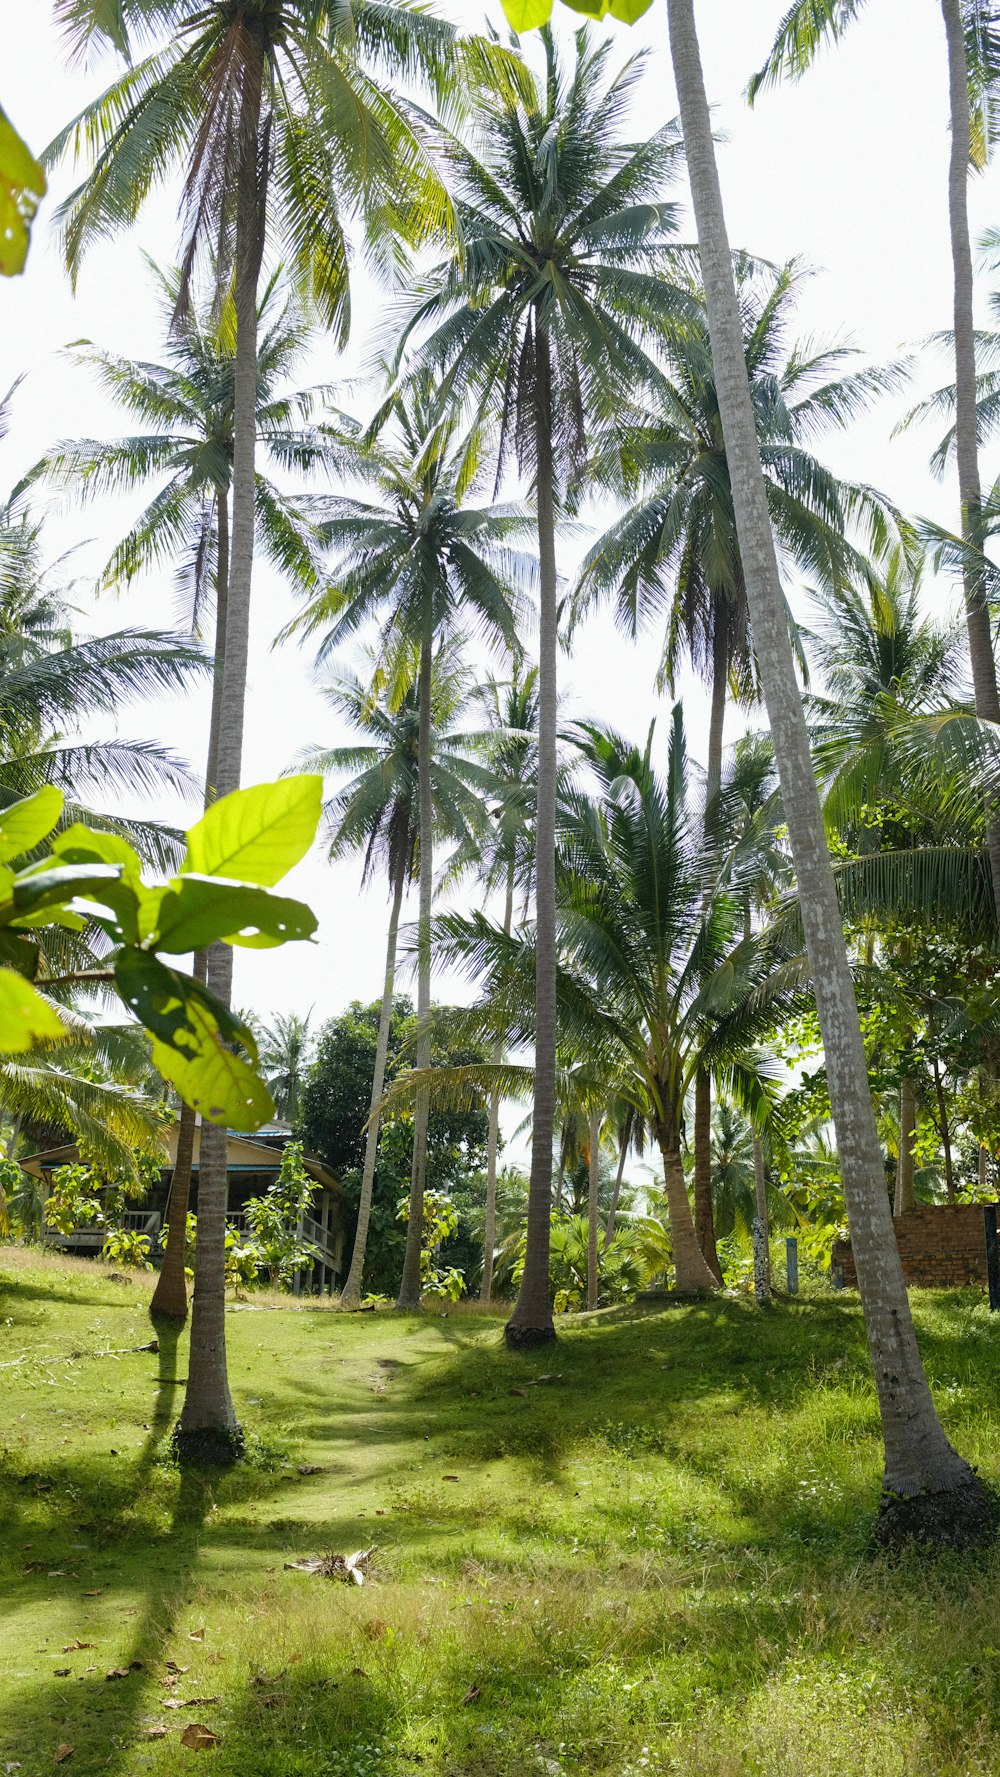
(655, 1561)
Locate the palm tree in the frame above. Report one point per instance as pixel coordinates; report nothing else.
(377, 812)
(928, 1487)
(276, 115)
(426, 564)
(285, 1047)
(972, 31)
(561, 278)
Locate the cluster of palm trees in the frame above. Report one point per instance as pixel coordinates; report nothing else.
(554, 338)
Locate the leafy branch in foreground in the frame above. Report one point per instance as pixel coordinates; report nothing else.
(240, 848)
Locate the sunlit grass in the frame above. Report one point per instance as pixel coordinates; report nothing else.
(658, 1559)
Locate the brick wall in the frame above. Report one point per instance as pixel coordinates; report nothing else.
(942, 1247)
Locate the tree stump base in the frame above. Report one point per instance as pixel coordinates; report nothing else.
(208, 1446)
(962, 1517)
(518, 1338)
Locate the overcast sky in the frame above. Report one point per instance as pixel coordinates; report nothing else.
(847, 170)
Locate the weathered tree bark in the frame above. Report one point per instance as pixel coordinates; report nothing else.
(929, 1491)
(762, 1272)
(977, 611)
(170, 1295)
(593, 1180)
(531, 1322)
(493, 1137)
(704, 1220)
(691, 1272)
(350, 1295)
(408, 1300)
(903, 1199)
(208, 1429)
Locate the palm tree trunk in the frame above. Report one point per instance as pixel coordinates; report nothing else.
(944, 1124)
(609, 1232)
(490, 1231)
(919, 1461)
(531, 1322)
(561, 1173)
(903, 1199)
(350, 1295)
(704, 1220)
(977, 612)
(208, 1429)
(691, 1273)
(170, 1295)
(762, 1282)
(593, 1180)
(408, 1300)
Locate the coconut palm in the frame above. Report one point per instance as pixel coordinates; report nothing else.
(377, 813)
(278, 117)
(562, 276)
(972, 32)
(427, 565)
(285, 1047)
(920, 1461)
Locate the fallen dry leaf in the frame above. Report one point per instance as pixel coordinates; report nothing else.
(61, 1672)
(473, 1694)
(375, 1629)
(358, 1672)
(172, 1666)
(63, 1752)
(449, 1477)
(310, 1468)
(198, 1737)
(196, 1635)
(159, 1732)
(188, 1702)
(118, 1672)
(74, 1647)
(341, 1567)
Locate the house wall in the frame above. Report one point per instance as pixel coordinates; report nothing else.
(941, 1247)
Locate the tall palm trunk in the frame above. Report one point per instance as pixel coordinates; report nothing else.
(903, 1199)
(704, 1220)
(929, 1490)
(762, 1269)
(208, 1429)
(170, 1295)
(493, 1139)
(691, 1272)
(531, 1322)
(409, 1288)
(944, 1124)
(593, 1181)
(977, 612)
(350, 1295)
(626, 1132)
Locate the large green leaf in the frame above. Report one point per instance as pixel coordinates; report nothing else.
(22, 183)
(257, 835)
(627, 11)
(527, 15)
(25, 824)
(47, 888)
(79, 845)
(194, 911)
(214, 1081)
(170, 1004)
(25, 1018)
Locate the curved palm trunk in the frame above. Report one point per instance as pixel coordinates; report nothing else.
(944, 1124)
(762, 1246)
(904, 1199)
(704, 1220)
(170, 1295)
(409, 1288)
(593, 1180)
(490, 1232)
(350, 1295)
(984, 1167)
(609, 1232)
(691, 1273)
(208, 1429)
(929, 1490)
(977, 612)
(531, 1322)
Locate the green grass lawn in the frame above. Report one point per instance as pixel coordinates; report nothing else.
(644, 1550)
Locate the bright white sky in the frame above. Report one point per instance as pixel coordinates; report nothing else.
(847, 170)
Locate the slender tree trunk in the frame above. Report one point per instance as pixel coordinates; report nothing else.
(944, 1124)
(920, 1463)
(609, 1232)
(704, 1220)
(903, 1199)
(170, 1295)
(593, 1180)
(350, 1295)
(493, 1139)
(531, 1322)
(560, 1175)
(691, 1273)
(409, 1288)
(977, 611)
(762, 1282)
(208, 1430)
